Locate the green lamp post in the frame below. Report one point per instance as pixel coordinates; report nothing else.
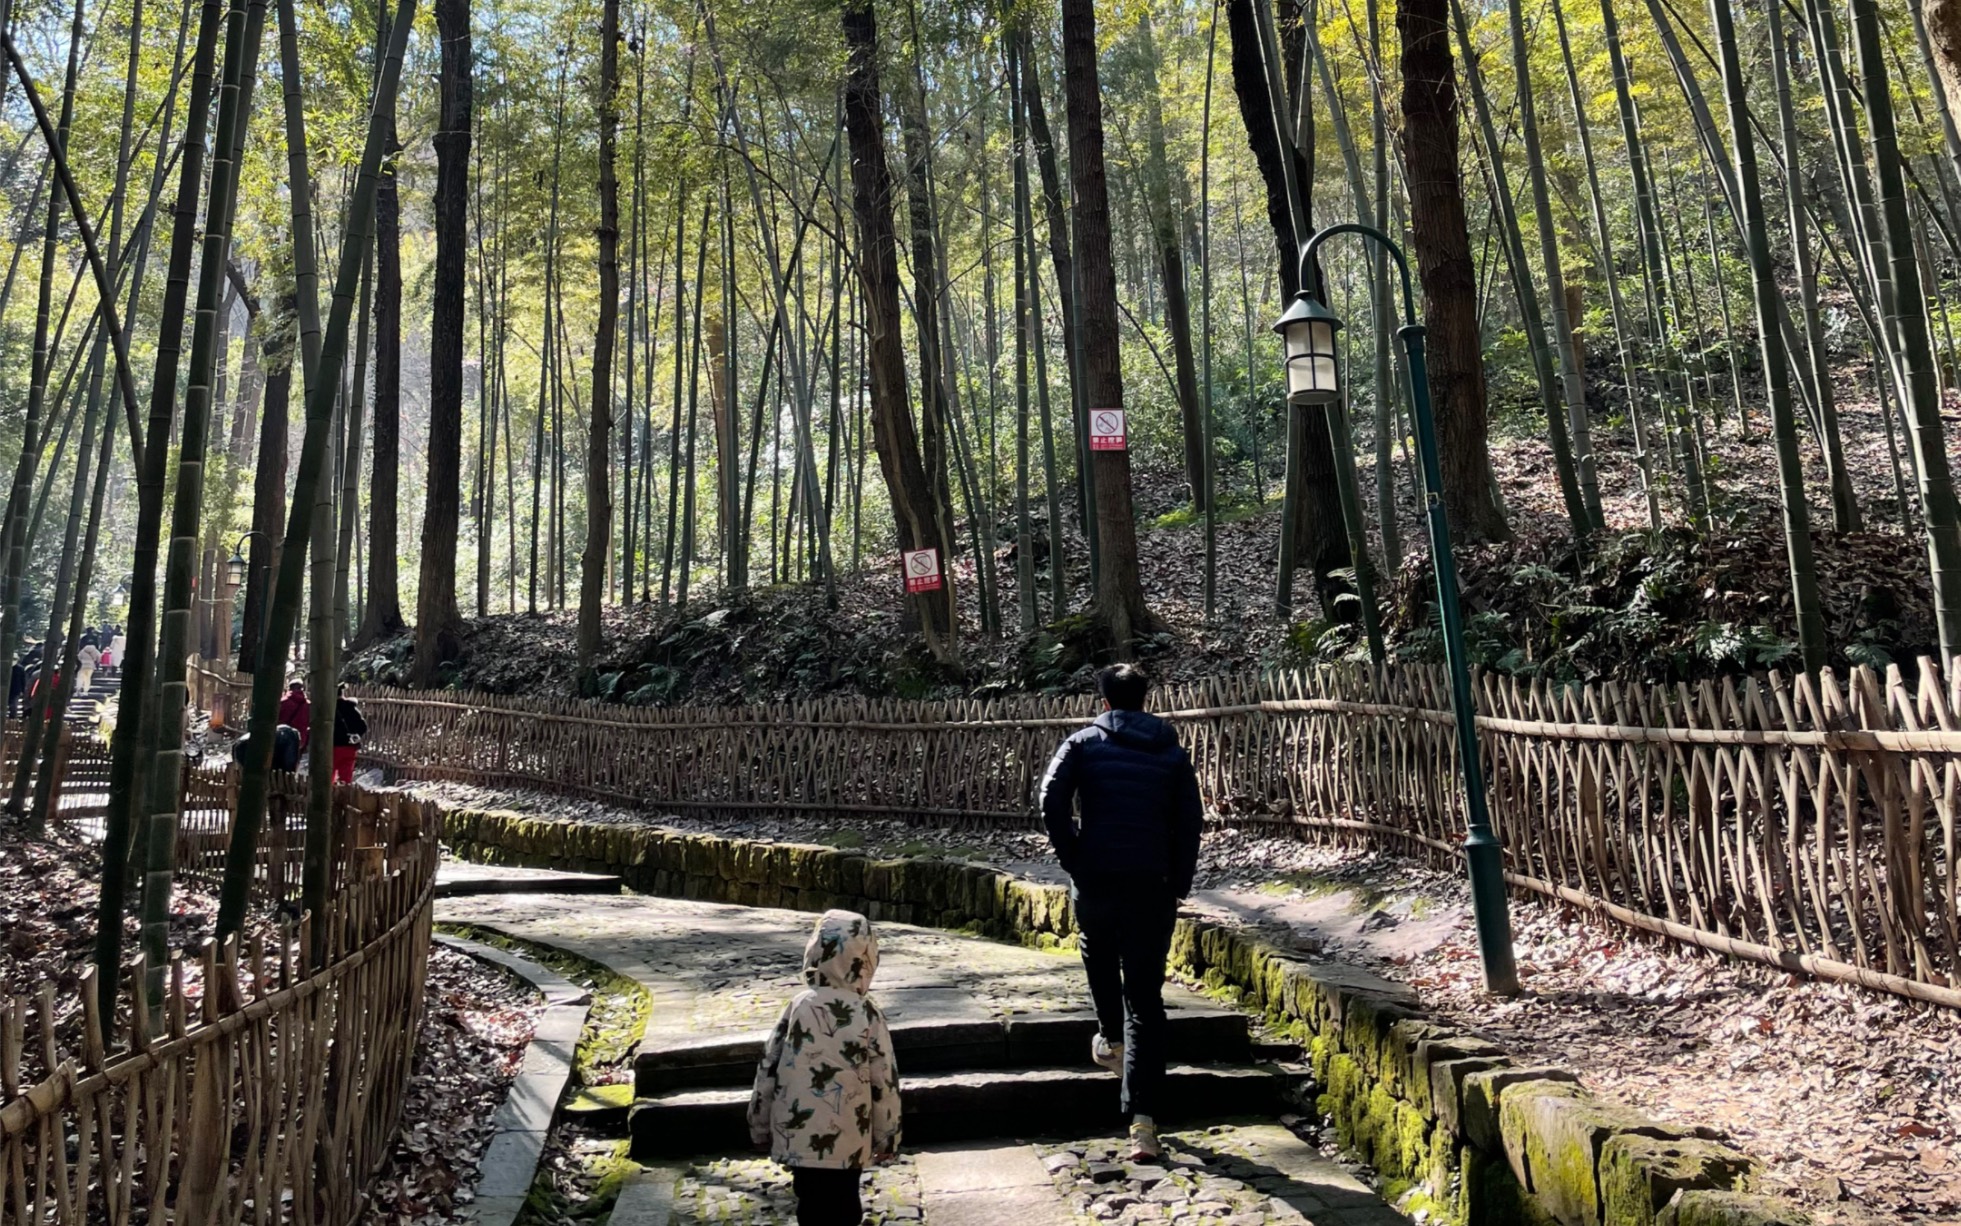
(1307, 331)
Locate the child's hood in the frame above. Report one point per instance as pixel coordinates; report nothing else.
(842, 954)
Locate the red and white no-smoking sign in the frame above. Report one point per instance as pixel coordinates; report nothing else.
(1106, 430)
(922, 571)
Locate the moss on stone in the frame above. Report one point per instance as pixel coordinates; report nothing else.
(1640, 1174)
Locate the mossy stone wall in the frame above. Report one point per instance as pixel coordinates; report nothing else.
(1444, 1116)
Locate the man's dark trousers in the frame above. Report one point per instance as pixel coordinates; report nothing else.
(1124, 924)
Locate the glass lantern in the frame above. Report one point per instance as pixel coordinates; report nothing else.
(1307, 331)
(235, 570)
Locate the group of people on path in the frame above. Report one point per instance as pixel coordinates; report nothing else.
(1121, 804)
(294, 732)
(101, 649)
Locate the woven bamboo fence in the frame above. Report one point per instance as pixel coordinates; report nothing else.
(1808, 822)
(269, 1088)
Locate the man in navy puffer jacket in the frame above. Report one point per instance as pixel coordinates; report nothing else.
(1130, 856)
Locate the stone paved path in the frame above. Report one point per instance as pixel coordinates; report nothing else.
(1228, 1175)
(720, 971)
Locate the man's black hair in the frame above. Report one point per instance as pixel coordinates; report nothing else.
(1123, 686)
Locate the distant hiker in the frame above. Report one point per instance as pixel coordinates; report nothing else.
(296, 712)
(350, 727)
(86, 661)
(118, 645)
(1131, 857)
(826, 1102)
(285, 748)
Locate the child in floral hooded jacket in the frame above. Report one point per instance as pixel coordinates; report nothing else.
(826, 1102)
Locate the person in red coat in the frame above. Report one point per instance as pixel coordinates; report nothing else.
(297, 713)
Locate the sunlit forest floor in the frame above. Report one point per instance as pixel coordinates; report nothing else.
(1629, 604)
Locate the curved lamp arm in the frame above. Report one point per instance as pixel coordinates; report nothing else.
(1383, 240)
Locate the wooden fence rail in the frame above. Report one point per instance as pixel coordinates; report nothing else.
(1808, 821)
(270, 1089)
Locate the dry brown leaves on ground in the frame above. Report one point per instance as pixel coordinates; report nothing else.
(477, 1024)
(49, 889)
(1849, 1097)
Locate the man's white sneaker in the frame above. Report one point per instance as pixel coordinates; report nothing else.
(1144, 1140)
(1105, 1054)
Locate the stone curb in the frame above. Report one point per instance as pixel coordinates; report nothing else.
(510, 1163)
(1443, 1114)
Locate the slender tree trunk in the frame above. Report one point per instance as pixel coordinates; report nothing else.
(599, 453)
(14, 532)
(1777, 371)
(1063, 261)
(348, 510)
(242, 855)
(1167, 236)
(1908, 326)
(1624, 339)
(1383, 310)
(906, 479)
(1024, 528)
(1570, 375)
(1539, 339)
(1845, 504)
(136, 715)
(18, 530)
(245, 31)
(935, 411)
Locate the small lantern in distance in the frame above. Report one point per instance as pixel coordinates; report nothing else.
(235, 570)
(1307, 331)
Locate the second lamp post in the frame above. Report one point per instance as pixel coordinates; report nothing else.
(1307, 332)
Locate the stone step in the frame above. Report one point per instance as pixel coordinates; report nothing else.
(940, 1045)
(966, 1106)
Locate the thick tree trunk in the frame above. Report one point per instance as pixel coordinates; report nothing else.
(437, 621)
(1943, 20)
(382, 618)
(1057, 218)
(1319, 535)
(906, 479)
(1442, 241)
(1120, 594)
